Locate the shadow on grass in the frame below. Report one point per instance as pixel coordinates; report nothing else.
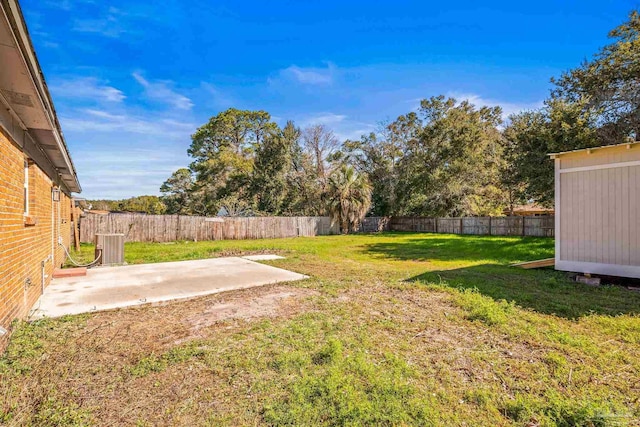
(450, 247)
(545, 290)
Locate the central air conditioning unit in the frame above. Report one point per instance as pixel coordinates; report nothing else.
(110, 249)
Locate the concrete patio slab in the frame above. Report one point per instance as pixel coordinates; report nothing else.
(106, 288)
(262, 257)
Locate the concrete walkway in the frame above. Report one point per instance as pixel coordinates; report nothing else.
(105, 288)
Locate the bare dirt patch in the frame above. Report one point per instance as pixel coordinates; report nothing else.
(155, 327)
(277, 301)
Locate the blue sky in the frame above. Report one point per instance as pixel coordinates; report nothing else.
(131, 80)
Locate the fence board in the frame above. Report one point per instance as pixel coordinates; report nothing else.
(543, 226)
(168, 228)
(476, 225)
(374, 224)
(507, 226)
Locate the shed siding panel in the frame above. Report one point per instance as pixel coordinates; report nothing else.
(610, 199)
(565, 215)
(625, 216)
(634, 211)
(591, 245)
(599, 218)
(579, 229)
(604, 215)
(619, 218)
(634, 220)
(597, 207)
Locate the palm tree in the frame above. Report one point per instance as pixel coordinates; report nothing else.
(348, 198)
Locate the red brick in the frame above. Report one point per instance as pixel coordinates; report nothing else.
(23, 248)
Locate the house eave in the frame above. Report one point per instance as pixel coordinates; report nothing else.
(24, 95)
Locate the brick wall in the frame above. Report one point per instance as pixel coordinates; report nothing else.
(23, 248)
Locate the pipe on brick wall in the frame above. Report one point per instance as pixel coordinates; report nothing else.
(58, 203)
(44, 276)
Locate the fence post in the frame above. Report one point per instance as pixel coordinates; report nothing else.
(436, 218)
(461, 224)
(490, 225)
(524, 220)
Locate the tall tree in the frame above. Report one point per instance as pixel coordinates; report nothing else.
(559, 126)
(305, 189)
(609, 84)
(523, 142)
(377, 155)
(178, 193)
(348, 197)
(445, 159)
(321, 143)
(273, 165)
(224, 150)
(452, 156)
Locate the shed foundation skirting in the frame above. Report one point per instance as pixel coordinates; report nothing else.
(599, 268)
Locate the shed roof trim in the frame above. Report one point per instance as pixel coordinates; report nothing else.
(591, 149)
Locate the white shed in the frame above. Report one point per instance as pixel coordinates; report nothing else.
(597, 210)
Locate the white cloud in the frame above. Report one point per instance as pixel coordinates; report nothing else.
(111, 24)
(51, 45)
(87, 88)
(121, 172)
(133, 178)
(508, 108)
(66, 4)
(217, 96)
(122, 154)
(161, 91)
(327, 119)
(121, 147)
(309, 76)
(342, 126)
(101, 121)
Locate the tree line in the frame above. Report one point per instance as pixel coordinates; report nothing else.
(448, 158)
(143, 204)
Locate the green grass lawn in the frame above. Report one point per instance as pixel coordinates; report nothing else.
(392, 329)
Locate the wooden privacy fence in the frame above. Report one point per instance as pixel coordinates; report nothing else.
(169, 228)
(543, 226)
